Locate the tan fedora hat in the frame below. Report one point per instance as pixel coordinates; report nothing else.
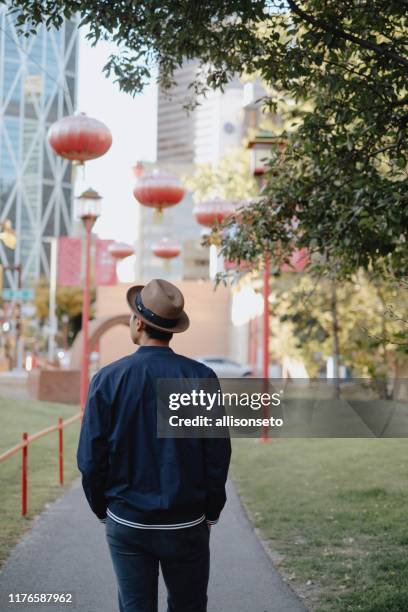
(160, 304)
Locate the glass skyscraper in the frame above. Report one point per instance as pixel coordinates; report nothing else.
(37, 87)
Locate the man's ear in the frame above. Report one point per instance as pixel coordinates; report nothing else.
(139, 324)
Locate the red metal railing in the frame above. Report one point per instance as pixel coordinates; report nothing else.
(23, 446)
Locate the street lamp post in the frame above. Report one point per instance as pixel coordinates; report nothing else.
(89, 209)
(52, 304)
(260, 148)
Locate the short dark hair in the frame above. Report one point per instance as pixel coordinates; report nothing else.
(157, 334)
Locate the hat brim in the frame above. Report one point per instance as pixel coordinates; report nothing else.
(182, 324)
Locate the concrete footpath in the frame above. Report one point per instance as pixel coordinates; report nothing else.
(66, 551)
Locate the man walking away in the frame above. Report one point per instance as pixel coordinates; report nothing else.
(158, 496)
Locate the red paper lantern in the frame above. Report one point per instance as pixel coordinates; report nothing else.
(120, 250)
(79, 138)
(159, 190)
(166, 249)
(213, 211)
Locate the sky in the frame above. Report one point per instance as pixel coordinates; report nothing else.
(132, 122)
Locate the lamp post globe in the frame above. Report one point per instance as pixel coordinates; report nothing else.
(89, 206)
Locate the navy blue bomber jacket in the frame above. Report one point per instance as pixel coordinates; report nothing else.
(128, 472)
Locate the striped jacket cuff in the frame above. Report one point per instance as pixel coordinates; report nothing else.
(212, 522)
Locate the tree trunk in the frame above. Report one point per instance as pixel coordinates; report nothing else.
(383, 379)
(335, 334)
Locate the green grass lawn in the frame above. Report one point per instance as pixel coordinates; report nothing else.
(335, 512)
(43, 475)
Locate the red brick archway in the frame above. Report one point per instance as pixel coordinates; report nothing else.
(97, 327)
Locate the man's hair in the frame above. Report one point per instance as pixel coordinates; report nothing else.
(157, 334)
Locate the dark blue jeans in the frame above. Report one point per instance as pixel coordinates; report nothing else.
(184, 558)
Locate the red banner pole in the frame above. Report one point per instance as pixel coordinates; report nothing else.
(253, 344)
(265, 364)
(265, 356)
(61, 450)
(24, 475)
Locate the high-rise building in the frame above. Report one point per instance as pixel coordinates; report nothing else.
(185, 139)
(175, 125)
(37, 87)
(218, 125)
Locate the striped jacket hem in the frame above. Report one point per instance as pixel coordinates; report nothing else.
(127, 523)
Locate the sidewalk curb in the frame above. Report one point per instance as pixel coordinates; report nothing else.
(264, 545)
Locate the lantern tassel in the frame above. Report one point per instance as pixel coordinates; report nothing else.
(74, 173)
(158, 216)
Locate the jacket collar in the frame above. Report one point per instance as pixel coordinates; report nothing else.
(154, 349)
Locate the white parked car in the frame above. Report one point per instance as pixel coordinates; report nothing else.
(225, 367)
